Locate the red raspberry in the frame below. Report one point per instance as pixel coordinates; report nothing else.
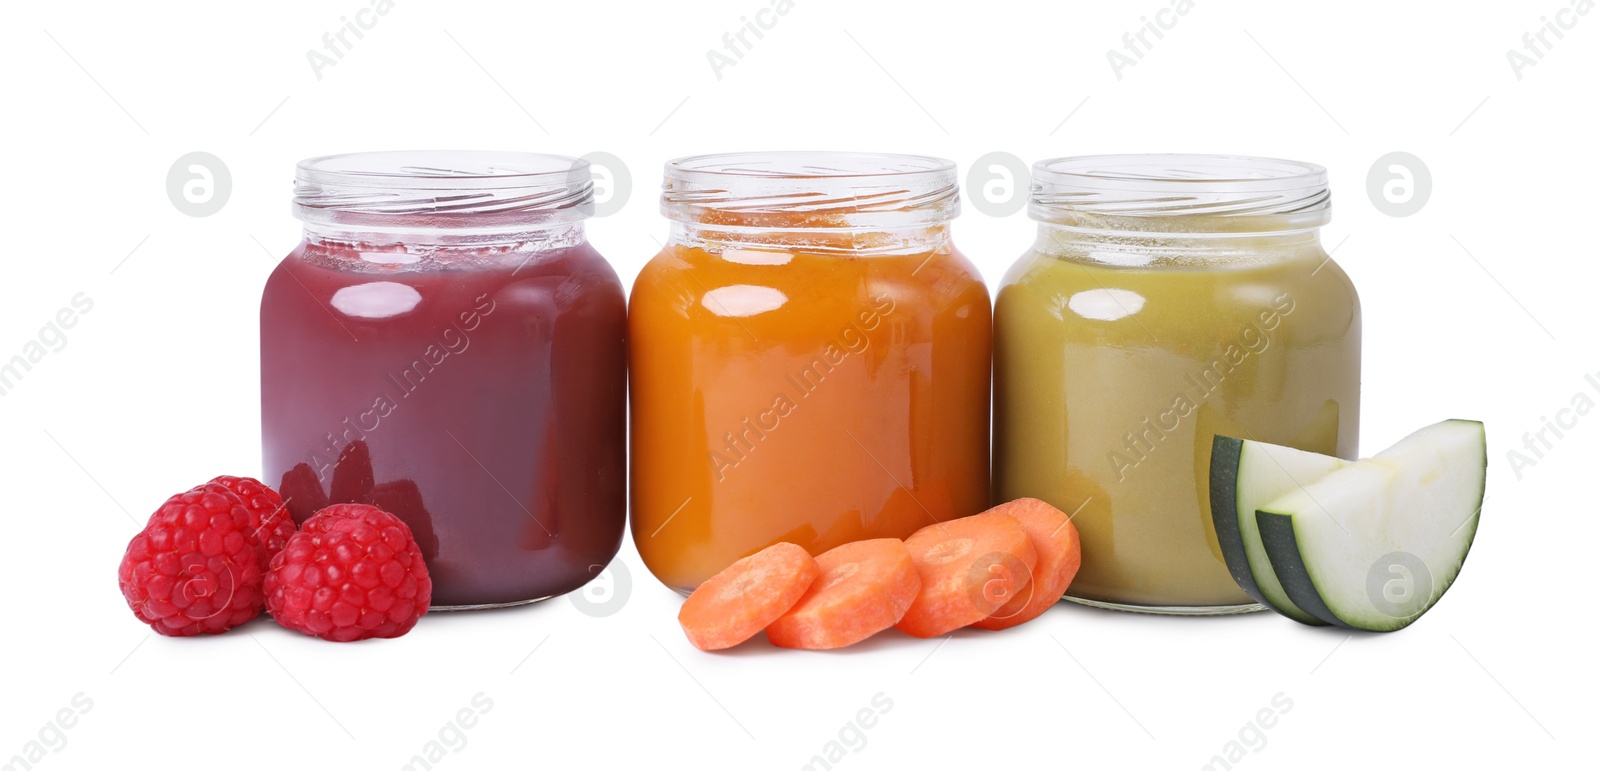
(352, 572)
(269, 518)
(194, 569)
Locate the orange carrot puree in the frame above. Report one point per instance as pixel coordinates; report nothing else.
(816, 397)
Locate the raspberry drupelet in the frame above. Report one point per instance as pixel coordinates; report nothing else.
(270, 523)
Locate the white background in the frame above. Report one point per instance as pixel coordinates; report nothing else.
(1479, 306)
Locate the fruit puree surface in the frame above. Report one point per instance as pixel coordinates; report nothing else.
(478, 395)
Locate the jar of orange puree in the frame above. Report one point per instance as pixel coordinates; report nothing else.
(1167, 299)
(810, 360)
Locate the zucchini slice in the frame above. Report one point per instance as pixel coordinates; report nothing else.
(1244, 476)
(1375, 544)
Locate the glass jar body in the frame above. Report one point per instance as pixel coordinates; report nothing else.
(796, 390)
(475, 391)
(1120, 356)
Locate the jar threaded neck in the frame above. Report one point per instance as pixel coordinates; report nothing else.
(466, 192)
(811, 190)
(1180, 193)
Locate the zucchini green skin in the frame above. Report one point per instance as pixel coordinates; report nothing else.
(1225, 451)
(1277, 535)
(1226, 455)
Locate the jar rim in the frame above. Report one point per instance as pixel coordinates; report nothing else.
(808, 164)
(822, 188)
(517, 188)
(1271, 193)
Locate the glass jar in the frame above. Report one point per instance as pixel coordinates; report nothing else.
(809, 357)
(445, 345)
(1167, 299)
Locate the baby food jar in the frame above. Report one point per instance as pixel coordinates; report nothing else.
(809, 357)
(445, 345)
(1167, 299)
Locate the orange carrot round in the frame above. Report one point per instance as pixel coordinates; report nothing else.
(864, 588)
(970, 567)
(732, 606)
(1056, 540)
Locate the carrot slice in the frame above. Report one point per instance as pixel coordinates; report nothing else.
(732, 606)
(1055, 539)
(865, 587)
(970, 567)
